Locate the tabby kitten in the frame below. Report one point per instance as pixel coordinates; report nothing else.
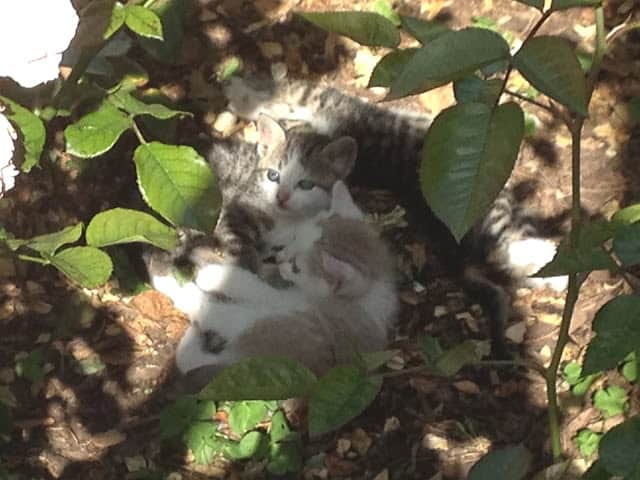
(389, 152)
(343, 298)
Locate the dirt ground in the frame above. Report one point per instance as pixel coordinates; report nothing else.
(108, 357)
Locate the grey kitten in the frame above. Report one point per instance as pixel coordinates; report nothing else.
(343, 298)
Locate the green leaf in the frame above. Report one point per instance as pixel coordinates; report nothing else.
(587, 441)
(127, 102)
(172, 14)
(285, 457)
(143, 21)
(390, 66)
(510, 463)
(122, 225)
(539, 4)
(280, 429)
(551, 65)
(244, 416)
(249, 446)
(619, 452)
(178, 184)
(596, 472)
(450, 56)
(263, 378)
(340, 395)
(177, 417)
(572, 372)
(384, 8)
(130, 281)
(474, 89)
(118, 15)
(48, 243)
(467, 352)
(228, 68)
(469, 153)
(285, 452)
(611, 401)
(374, 360)
(366, 28)
(88, 266)
(617, 327)
(563, 4)
(423, 30)
(91, 365)
(96, 132)
(32, 366)
(202, 440)
(588, 254)
(431, 349)
(32, 130)
(580, 383)
(626, 244)
(626, 216)
(630, 369)
(582, 387)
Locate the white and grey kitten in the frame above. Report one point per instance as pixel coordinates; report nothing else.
(343, 298)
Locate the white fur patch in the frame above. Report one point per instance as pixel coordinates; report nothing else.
(187, 298)
(528, 256)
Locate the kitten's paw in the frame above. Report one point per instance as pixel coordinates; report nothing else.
(211, 278)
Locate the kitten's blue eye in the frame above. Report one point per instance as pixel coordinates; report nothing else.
(273, 175)
(306, 184)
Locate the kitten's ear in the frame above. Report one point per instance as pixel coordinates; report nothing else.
(341, 155)
(270, 133)
(342, 204)
(346, 279)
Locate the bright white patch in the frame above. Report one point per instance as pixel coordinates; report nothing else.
(187, 298)
(8, 170)
(526, 257)
(34, 34)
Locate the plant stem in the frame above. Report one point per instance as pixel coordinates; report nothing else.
(576, 220)
(530, 100)
(545, 16)
(137, 131)
(29, 258)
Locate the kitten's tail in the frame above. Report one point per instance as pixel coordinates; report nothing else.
(495, 302)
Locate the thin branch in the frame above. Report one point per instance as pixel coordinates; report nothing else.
(480, 363)
(531, 33)
(137, 131)
(575, 281)
(622, 29)
(529, 100)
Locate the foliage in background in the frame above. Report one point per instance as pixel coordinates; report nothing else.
(103, 98)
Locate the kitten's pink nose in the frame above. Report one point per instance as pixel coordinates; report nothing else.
(283, 197)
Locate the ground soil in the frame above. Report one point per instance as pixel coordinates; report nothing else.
(108, 356)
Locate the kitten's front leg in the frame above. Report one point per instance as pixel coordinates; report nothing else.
(243, 286)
